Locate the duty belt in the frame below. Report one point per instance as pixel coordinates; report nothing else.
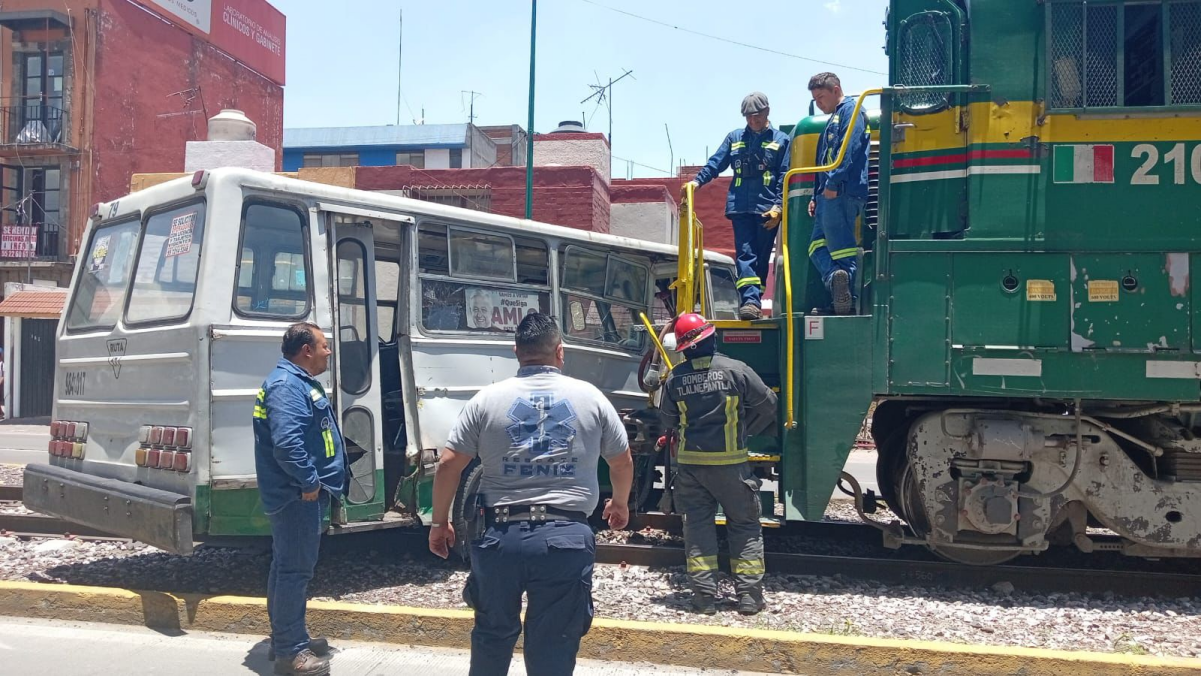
(532, 513)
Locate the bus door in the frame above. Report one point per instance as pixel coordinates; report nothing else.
(356, 353)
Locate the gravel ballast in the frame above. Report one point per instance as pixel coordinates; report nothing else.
(796, 603)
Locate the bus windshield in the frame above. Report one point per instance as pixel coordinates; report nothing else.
(100, 290)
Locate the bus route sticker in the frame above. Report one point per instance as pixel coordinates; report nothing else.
(100, 253)
(1040, 290)
(179, 242)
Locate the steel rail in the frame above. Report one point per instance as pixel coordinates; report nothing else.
(925, 573)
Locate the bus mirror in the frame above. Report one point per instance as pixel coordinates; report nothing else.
(577, 316)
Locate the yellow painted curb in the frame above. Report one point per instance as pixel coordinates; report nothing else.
(702, 646)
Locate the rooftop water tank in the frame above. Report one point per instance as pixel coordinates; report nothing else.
(231, 125)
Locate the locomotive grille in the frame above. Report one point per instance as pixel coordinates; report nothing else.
(1184, 24)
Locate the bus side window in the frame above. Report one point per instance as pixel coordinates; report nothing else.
(272, 274)
(603, 296)
(475, 282)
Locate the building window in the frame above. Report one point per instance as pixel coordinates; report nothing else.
(31, 197)
(475, 197)
(39, 116)
(456, 158)
(312, 160)
(1124, 54)
(414, 159)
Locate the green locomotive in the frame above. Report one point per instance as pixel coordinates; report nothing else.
(1025, 321)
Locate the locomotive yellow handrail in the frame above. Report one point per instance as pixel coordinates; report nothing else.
(650, 329)
(789, 324)
(690, 274)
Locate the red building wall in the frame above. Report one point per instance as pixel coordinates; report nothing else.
(576, 197)
(155, 86)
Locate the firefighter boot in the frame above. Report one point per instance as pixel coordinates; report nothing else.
(304, 664)
(840, 291)
(750, 603)
(703, 603)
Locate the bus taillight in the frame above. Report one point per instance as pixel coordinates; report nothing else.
(168, 448)
(67, 439)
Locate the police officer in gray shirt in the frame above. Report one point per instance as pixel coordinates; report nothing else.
(538, 437)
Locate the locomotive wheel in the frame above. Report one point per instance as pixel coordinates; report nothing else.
(914, 514)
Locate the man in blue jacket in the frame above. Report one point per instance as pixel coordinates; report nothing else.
(839, 195)
(300, 461)
(759, 155)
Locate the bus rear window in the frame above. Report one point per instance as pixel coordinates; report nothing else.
(105, 277)
(164, 283)
(273, 276)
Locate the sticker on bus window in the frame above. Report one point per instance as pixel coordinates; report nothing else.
(100, 253)
(180, 240)
(495, 310)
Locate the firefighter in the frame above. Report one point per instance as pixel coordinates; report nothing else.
(759, 155)
(715, 402)
(839, 196)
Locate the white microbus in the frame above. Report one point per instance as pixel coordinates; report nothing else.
(180, 298)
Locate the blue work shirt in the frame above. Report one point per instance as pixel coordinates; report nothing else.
(850, 178)
(297, 443)
(760, 162)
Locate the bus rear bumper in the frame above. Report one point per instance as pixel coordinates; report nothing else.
(157, 517)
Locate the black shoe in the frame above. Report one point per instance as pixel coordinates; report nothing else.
(750, 604)
(840, 290)
(319, 646)
(750, 312)
(704, 604)
(304, 664)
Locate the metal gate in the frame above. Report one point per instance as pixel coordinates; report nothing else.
(37, 367)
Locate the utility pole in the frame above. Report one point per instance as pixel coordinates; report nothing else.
(400, 63)
(529, 152)
(605, 94)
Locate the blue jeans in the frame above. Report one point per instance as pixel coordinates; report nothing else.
(753, 244)
(552, 563)
(295, 541)
(835, 243)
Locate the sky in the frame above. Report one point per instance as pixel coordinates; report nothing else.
(343, 62)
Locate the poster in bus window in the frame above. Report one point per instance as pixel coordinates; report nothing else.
(179, 242)
(495, 310)
(100, 253)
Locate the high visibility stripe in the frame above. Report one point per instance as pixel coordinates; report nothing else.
(747, 281)
(315, 395)
(260, 412)
(702, 362)
(732, 423)
(712, 457)
(843, 253)
(815, 245)
(771, 145)
(683, 421)
(737, 182)
(737, 145)
(700, 564)
(328, 437)
(262, 395)
(747, 566)
(767, 178)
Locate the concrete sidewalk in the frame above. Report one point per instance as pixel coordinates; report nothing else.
(38, 647)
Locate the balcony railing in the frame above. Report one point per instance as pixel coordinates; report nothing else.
(22, 242)
(34, 124)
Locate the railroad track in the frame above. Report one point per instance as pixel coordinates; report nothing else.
(890, 568)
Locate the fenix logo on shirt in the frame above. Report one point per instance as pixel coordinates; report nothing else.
(703, 382)
(542, 437)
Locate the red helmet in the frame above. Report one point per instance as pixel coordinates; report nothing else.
(691, 329)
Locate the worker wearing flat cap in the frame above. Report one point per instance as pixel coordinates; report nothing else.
(759, 155)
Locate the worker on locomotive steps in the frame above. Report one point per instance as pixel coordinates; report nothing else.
(715, 402)
(538, 437)
(839, 195)
(759, 155)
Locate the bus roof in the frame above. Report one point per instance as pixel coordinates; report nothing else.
(174, 190)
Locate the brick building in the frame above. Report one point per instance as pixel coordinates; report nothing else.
(92, 91)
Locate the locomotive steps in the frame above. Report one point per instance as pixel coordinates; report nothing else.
(710, 647)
